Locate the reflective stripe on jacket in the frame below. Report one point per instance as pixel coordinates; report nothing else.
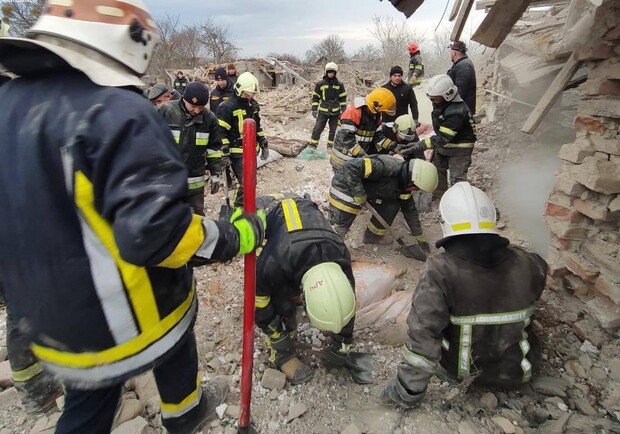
(231, 114)
(329, 97)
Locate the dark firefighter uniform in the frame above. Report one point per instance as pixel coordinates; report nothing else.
(382, 180)
(463, 74)
(416, 68)
(453, 142)
(219, 95)
(298, 237)
(328, 101)
(200, 144)
(97, 275)
(231, 114)
(359, 133)
(471, 317)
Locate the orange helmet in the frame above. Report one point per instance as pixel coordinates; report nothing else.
(413, 47)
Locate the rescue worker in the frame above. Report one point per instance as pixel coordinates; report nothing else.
(197, 133)
(180, 83)
(472, 308)
(100, 284)
(159, 94)
(231, 70)
(406, 101)
(455, 134)
(359, 129)
(328, 101)
(386, 182)
(463, 74)
(222, 91)
(416, 66)
(402, 132)
(231, 114)
(303, 257)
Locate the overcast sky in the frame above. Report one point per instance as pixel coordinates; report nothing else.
(260, 27)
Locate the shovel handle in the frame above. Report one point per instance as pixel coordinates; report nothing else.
(249, 281)
(385, 225)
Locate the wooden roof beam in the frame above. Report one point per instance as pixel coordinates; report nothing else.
(499, 22)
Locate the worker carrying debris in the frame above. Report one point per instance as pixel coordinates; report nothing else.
(95, 227)
(416, 66)
(328, 101)
(195, 129)
(386, 182)
(455, 134)
(222, 91)
(303, 258)
(472, 308)
(359, 132)
(231, 114)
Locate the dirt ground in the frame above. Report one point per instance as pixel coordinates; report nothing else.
(577, 389)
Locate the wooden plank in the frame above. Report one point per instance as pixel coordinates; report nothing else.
(459, 25)
(551, 95)
(455, 9)
(499, 21)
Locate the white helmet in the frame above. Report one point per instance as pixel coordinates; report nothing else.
(330, 300)
(423, 174)
(111, 41)
(466, 209)
(441, 85)
(246, 82)
(404, 126)
(331, 66)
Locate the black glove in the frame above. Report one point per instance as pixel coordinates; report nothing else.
(264, 149)
(409, 149)
(395, 393)
(216, 184)
(314, 114)
(251, 228)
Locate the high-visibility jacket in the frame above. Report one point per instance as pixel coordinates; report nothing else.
(455, 131)
(471, 315)
(95, 228)
(231, 114)
(329, 97)
(416, 67)
(298, 237)
(198, 138)
(180, 84)
(358, 133)
(219, 95)
(463, 74)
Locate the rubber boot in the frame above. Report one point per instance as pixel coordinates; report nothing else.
(372, 238)
(422, 242)
(296, 371)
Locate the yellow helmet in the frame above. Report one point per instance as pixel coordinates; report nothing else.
(423, 174)
(381, 100)
(404, 126)
(330, 300)
(246, 82)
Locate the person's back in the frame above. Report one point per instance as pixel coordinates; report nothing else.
(463, 74)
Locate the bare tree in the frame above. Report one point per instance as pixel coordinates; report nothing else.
(217, 42)
(187, 48)
(330, 49)
(370, 56)
(435, 53)
(393, 36)
(21, 15)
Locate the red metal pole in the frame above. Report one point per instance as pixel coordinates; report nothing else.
(249, 281)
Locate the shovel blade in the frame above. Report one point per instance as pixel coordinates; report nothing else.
(413, 251)
(225, 212)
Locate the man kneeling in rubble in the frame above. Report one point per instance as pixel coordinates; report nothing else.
(303, 257)
(472, 307)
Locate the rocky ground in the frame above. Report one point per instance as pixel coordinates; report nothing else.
(576, 391)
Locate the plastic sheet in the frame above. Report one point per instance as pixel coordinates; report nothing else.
(312, 154)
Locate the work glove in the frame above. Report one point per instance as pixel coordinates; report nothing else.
(225, 149)
(251, 228)
(264, 150)
(409, 149)
(395, 393)
(314, 114)
(216, 184)
(360, 200)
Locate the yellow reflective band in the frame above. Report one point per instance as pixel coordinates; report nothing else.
(343, 207)
(193, 398)
(225, 141)
(214, 97)
(367, 167)
(321, 109)
(195, 185)
(314, 141)
(214, 154)
(355, 150)
(428, 143)
(28, 373)
(375, 230)
(239, 114)
(191, 241)
(127, 349)
(224, 124)
(262, 301)
(291, 215)
(464, 351)
(486, 225)
(276, 196)
(406, 196)
(202, 142)
(417, 360)
(461, 226)
(236, 150)
(261, 134)
(458, 145)
(135, 278)
(498, 318)
(447, 131)
(343, 94)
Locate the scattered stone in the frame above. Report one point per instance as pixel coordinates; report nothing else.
(614, 369)
(273, 395)
(273, 379)
(233, 411)
(599, 374)
(488, 401)
(574, 368)
(2, 354)
(221, 410)
(588, 348)
(130, 408)
(8, 398)
(40, 425)
(535, 415)
(588, 331)
(353, 428)
(584, 406)
(467, 427)
(60, 402)
(504, 424)
(6, 376)
(134, 426)
(283, 408)
(296, 411)
(550, 386)
(273, 426)
(452, 393)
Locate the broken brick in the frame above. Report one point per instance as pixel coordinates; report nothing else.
(576, 152)
(598, 175)
(566, 230)
(557, 268)
(556, 211)
(607, 313)
(603, 285)
(591, 209)
(609, 146)
(605, 107)
(578, 265)
(561, 243)
(589, 123)
(575, 285)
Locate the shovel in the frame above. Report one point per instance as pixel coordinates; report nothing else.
(413, 251)
(226, 210)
